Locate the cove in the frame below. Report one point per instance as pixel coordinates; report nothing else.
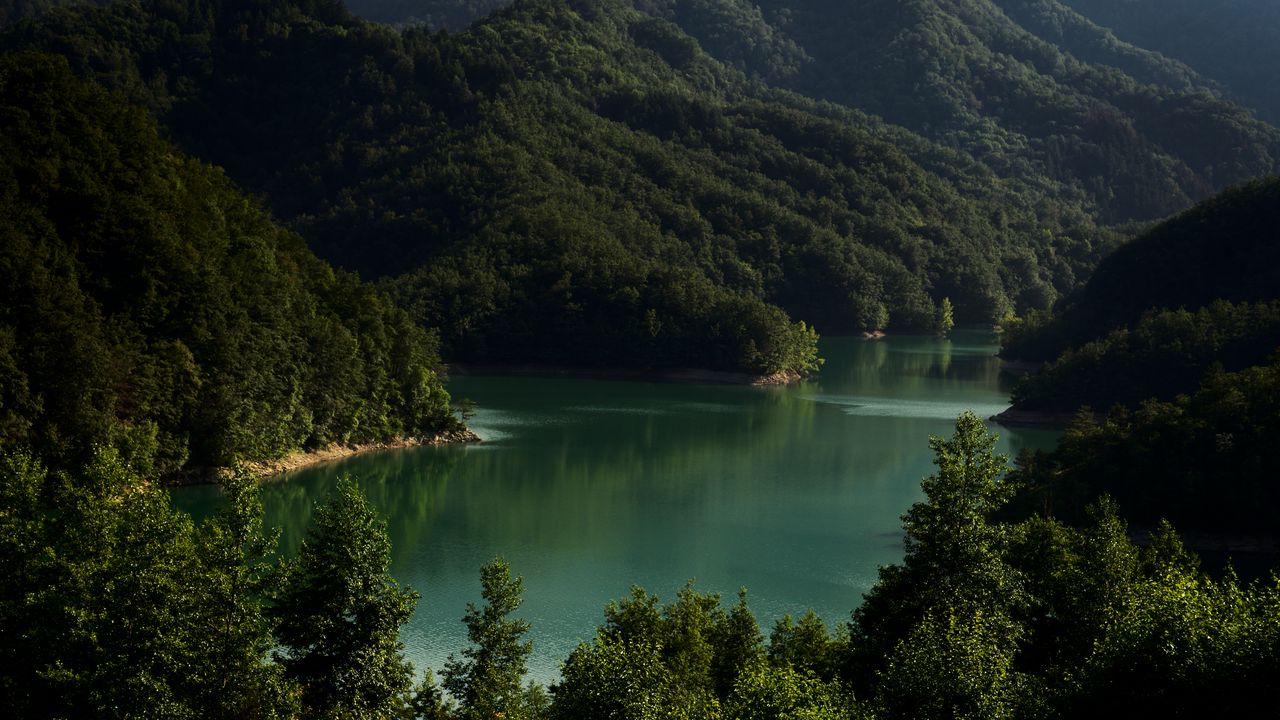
(588, 487)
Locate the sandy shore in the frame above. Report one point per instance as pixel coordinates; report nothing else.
(684, 375)
(330, 453)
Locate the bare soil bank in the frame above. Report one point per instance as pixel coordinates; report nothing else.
(329, 453)
(685, 375)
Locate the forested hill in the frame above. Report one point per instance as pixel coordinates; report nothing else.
(1198, 292)
(580, 183)
(1226, 248)
(1235, 42)
(1032, 87)
(145, 304)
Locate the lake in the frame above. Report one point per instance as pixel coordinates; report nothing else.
(588, 487)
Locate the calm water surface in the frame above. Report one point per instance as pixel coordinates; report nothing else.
(588, 487)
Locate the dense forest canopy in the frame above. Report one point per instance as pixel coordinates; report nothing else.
(1031, 87)
(145, 303)
(1230, 41)
(581, 184)
(1170, 350)
(1226, 248)
(135, 611)
(656, 183)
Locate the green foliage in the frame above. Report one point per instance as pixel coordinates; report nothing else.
(615, 679)
(953, 561)
(681, 660)
(770, 692)
(953, 665)
(1165, 354)
(946, 317)
(115, 605)
(339, 614)
(145, 303)
(1223, 249)
(581, 184)
(804, 645)
(487, 682)
(1205, 460)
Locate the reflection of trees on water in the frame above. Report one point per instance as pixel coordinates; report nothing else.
(598, 465)
(915, 365)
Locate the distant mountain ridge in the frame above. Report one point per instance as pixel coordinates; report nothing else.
(588, 183)
(581, 184)
(1234, 42)
(1031, 87)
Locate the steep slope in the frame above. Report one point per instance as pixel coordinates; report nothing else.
(579, 183)
(1030, 87)
(447, 14)
(1226, 248)
(145, 303)
(964, 72)
(1198, 292)
(1236, 42)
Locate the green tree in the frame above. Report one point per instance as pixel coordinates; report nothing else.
(946, 317)
(769, 692)
(616, 679)
(953, 554)
(953, 664)
(113, 603)
(239, 561)
(340, 613)
(488, 681)
(803, 644)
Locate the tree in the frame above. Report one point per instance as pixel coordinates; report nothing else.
(340, 614)
(238, 560)
(616, 679)
(946, 317)
(953, 665)
(952, 555)
(803, 644)
(488, 682)
(769, 692)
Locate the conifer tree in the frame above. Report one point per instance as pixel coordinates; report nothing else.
(340, 614)
(487, 682)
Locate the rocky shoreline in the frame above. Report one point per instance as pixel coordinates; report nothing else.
(679, 375)
(329, 453)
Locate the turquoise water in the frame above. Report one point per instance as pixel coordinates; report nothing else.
(587, 487)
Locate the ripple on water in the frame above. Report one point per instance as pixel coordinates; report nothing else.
(930, 409)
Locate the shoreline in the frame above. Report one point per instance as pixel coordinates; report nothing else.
(263, 469)
(677, 375)
(1046, 419)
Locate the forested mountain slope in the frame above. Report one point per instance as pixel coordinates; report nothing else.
(1198, 291)
(146, 304)
(965, 72)
(1226, 248)
(579, 183)
(1030, 87)
(1235, 42)
(438, 14)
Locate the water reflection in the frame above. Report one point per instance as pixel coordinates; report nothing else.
(589, 486)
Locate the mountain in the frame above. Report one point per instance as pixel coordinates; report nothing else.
(145, 303)
(440, 14)
(1198, 292)
(579, 183)
(1234, 42)
(1031, 88)
(1226, 248)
